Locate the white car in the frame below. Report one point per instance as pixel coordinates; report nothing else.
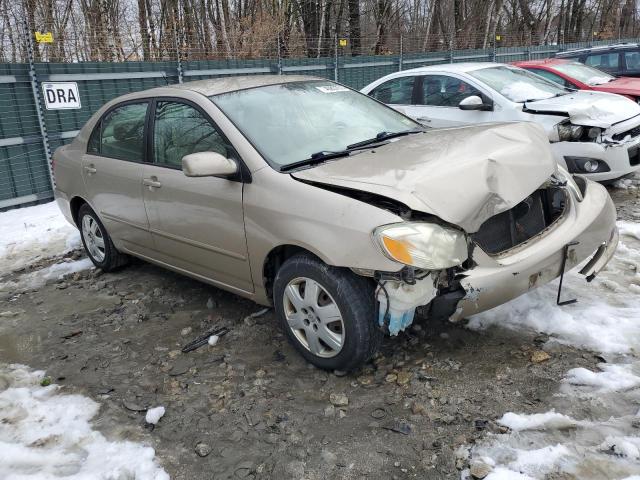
(592, 133)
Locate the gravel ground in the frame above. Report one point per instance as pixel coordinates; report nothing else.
(249, 407)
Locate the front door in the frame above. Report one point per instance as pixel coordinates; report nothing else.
(437, 100)
(112, 172)
(197, 223)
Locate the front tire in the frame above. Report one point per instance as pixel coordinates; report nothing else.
(328, 313)
(97, 242)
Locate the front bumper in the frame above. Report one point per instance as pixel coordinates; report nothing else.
(498, 279)
(615, 155)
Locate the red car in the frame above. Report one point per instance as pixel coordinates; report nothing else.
(572, 74)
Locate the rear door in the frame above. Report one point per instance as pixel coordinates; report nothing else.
(437, 98)
(197, 223)
(112, 172)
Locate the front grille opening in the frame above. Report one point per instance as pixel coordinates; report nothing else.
(634, 132)
(524, 221)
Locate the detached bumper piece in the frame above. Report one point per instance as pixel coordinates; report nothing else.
(601, 257)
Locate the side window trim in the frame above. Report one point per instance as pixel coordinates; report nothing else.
(98, 127)
(244, 174)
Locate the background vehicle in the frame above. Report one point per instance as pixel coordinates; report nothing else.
(576, 75)
(622, 59)
(304, 194)
(592, 133)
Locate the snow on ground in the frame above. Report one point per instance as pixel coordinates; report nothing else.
(594, 432)
(38, 278)
(33, 233)
(46, 435)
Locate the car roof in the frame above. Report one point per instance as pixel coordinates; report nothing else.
(463, 67)
(599, 48)
(548, 62)
(215, 86)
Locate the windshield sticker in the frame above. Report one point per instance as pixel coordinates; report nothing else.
(332, 88)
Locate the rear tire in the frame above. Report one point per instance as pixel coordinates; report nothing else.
(97, 242)
(328, 313)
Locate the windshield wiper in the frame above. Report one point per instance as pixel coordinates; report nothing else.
(384, 136)
(323, 155)
(316, 158)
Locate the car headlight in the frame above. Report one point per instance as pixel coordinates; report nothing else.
(423, 245)
(562, 176)
(568, 132)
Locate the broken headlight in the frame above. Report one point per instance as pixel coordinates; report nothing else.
(568, 132)
(423, 245)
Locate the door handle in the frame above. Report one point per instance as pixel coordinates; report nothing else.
(151, 182)
(424, 119)
(90, 169)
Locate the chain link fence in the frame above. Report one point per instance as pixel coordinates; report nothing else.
(29, 132)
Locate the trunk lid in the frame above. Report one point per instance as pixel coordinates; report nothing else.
(462, 175)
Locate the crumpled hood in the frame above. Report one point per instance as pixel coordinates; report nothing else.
(588, 108)
(462, 175)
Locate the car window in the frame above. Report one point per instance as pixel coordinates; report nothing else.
(583, 73)
(517, 84)
(632, 60)
(550, 76)
(122, 133)
(603, 61)
(445, 91)
(398, 91)
(180, 130)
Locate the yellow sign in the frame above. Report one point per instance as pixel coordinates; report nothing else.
(498, 37)
(44, 37)
(343, 42)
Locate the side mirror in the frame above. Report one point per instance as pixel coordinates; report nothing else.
(474, 102)
(208, 164)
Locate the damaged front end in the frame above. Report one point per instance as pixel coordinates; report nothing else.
(560, 224)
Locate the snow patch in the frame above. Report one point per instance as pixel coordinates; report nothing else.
(154, 415)
(537, 421)
(33, 233)
(45, 434)
(593, 434)
(38, 278)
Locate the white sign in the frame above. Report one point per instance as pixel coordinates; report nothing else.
(61, 95)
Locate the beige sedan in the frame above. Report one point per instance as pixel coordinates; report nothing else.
(342, 213)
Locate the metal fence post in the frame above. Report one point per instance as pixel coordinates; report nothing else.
(401, 53)
(38, 101)
(279, 57)
(178, 57)
(335, 70)
(451, 48)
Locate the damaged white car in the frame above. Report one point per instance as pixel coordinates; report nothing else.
(591, 133)
(344, 214)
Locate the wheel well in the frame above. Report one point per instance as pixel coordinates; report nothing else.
(274, 261)
(75, 204)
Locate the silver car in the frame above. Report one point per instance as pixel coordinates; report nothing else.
(342, 213)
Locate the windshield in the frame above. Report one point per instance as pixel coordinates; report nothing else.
(583, 73)
(517, 84)
(291, 122)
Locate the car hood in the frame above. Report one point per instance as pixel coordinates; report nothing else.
(622, 86)
(462, 175)
(588, 108)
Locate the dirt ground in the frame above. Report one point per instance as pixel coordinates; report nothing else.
(250, 407)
